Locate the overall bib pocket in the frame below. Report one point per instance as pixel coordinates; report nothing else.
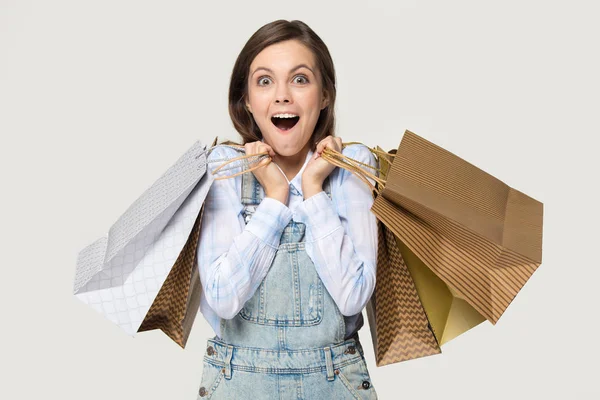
(281, 301)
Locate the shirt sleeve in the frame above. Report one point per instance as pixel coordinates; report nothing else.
(233, 258)
(341, 235)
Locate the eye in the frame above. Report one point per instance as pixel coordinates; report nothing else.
(262, 79)
(303, 79)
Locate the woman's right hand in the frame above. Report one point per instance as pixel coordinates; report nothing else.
(270, 176)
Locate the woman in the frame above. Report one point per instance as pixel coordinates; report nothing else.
(287, 253)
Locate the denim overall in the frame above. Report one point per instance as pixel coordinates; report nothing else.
(287, 342)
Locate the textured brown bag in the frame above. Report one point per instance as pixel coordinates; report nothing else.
(480, 239)
(399, 326)
(176, 305)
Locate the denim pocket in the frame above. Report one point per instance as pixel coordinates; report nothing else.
(357, 381)
(292, 294)
(212, 376)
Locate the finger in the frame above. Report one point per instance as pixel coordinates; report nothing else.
(329, 142)
(248, 150)
(338, 142)
(252, 150)
(249, 147)
(265, 147)
(322, 144)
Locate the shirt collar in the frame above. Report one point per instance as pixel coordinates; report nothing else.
(296, 181)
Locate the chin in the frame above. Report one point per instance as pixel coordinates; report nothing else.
(287, 152)
(286, 149)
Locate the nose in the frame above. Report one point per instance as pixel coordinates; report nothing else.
(282, 95)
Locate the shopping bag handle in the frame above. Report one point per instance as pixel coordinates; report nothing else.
(247, 156)
(332, 156)
(338, 159)
(352, 165)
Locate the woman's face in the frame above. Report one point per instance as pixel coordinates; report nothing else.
(283, 80)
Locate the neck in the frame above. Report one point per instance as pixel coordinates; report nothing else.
(291, 165)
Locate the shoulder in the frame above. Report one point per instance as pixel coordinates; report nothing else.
(225, 191)
(223, 151)
(359, 152)
(219, 155)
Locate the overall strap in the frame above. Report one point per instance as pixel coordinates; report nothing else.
(252, 191)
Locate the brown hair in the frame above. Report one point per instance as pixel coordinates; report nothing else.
(271, 33)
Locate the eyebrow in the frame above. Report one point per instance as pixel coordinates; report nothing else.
(291, 70)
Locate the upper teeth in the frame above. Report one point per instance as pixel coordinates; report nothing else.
(284, 116)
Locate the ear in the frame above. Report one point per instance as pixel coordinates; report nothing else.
(325, 100)
(247, 104)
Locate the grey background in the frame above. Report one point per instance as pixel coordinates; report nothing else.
(98, 99)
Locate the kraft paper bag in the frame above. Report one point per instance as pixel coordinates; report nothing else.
(470, 241)
(449, 315)
(467, 242)
(176, 305)
(399, 326)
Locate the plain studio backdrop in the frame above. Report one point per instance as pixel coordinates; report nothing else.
(98, 99)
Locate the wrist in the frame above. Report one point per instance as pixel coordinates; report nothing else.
(279, 195)
(309, 189)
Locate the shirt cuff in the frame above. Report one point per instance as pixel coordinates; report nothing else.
(319, 215)
(269, 220)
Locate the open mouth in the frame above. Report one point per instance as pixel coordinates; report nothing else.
(285, 124)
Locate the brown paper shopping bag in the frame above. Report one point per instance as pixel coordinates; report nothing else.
(470, 241)
(176, 304)
(399, 326)
(449, 314)
(459, 238)
(446, 314)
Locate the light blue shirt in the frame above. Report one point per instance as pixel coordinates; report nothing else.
(341, 239)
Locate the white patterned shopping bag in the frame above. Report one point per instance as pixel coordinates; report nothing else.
(120, 275)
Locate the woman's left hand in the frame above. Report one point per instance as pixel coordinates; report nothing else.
(317, 168)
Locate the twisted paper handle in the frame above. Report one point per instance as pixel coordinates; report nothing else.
(336, 158)
(258, 155)
(352, 165)
(332, 156)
